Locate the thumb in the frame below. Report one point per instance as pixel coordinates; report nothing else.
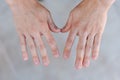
(67, 25)
(52, 25)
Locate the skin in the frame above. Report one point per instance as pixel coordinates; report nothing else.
(87, 21)
(33, 21)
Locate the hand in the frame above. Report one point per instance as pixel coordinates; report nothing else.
(32, 22)
(87, 21)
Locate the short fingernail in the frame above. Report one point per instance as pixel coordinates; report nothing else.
(56, 54)
(36, 60)
(66, 55)
(25, 57)
(87, 63)
(94, 57)
(78, 65)
(46, 61)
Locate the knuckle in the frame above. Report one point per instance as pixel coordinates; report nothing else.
(80, 48)
(89, 47)
(97, 44)
(95, 51)
(32, 30)
(31, 46)
(79, 56)
(41, 46)
(87, 57)
(85, 31)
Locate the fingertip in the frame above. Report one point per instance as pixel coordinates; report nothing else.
(56, 30)
(36, 60)
(78, 66)
(65, 56)
(64, 30)
(78, 63)
(25, 57)
(46, 61)
(94, 57)
(86, 63)
(56, 55)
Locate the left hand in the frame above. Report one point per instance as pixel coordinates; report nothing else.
(87, 21)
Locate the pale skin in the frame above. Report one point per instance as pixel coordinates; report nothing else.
(87, 21)
(32, 22)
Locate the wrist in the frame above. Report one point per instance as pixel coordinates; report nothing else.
(102, 5)
(13, 3)
(107, 3)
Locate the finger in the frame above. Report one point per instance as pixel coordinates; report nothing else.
(80, 51)
(52, 25)
(68, 24)
(96, 46)
(33, 50)
(52, 44)
(88, 47)
(69, 43)
(42, 48)
(23, 47)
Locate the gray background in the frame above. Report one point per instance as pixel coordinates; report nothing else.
(12, 67)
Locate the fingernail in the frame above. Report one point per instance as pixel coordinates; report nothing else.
(45, 61)
(87, 63)
(94, 57)
(56, 55)
(25, 57)
(36, 60)
(66, 55)
(78, 65)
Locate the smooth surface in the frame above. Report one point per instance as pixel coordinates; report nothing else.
(12, 67)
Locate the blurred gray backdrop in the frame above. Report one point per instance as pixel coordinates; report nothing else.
(12, 67)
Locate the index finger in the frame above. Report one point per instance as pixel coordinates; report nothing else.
(69, 43)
